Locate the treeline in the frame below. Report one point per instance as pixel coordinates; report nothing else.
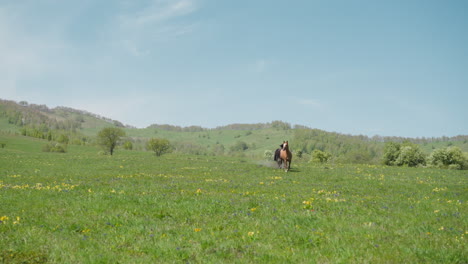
(418, 140)
(343, 148)
(280, 125)
(24, 115)
(173, 128)
(34, 121)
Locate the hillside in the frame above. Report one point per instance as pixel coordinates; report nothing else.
(81, 127)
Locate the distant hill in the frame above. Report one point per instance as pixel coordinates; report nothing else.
(81, 127)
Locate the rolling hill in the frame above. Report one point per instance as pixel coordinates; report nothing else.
(256, 140)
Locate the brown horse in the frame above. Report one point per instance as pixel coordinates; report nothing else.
(286, 156)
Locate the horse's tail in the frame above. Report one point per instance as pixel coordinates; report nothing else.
(277, 154)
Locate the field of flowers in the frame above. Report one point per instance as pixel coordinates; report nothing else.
(133, 207)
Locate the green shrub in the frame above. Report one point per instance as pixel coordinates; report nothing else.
(451, 158)
(239, 146)
(410, 156)
(128, 145)
(320, 156)
(406, 154)
(54, 147)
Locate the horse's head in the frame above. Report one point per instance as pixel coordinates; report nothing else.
(285, 145)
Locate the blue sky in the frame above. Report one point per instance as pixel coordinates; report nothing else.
(390, 68)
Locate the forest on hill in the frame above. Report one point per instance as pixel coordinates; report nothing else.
(70, 126)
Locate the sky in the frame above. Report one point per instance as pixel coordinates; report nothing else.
(370, 67)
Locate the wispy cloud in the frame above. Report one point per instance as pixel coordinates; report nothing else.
(158, 11)
(160, 20)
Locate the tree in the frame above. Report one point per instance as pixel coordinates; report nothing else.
(109, 137)
(158, 145)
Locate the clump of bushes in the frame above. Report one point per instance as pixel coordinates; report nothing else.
(409, 154)
(405, 154)
(449, 158)
(55, 147)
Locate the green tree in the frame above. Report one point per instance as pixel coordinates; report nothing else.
(109, 137)
(158, 145)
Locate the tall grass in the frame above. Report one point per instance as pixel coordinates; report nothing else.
(133, 207)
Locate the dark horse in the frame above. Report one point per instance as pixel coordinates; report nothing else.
(277, 156)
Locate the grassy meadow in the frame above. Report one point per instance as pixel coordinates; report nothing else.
(134, 207)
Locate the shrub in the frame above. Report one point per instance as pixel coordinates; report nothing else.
(239, 146)
(406, 154)
(320, 156)
(451, 157)
(128, 145)
(299, 154)
(410, 156)
(391, 152)
(268, 155)
(55, 147)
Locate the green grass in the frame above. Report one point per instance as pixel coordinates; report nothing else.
(134, 207)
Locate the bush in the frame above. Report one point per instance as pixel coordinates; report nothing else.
(320, 156)
(128, 145)
(391, 152)
(299, 154)
(268, 155)
(406, 154)
(451, 158)
(54, 147)
(239, 146)
(410, 156)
